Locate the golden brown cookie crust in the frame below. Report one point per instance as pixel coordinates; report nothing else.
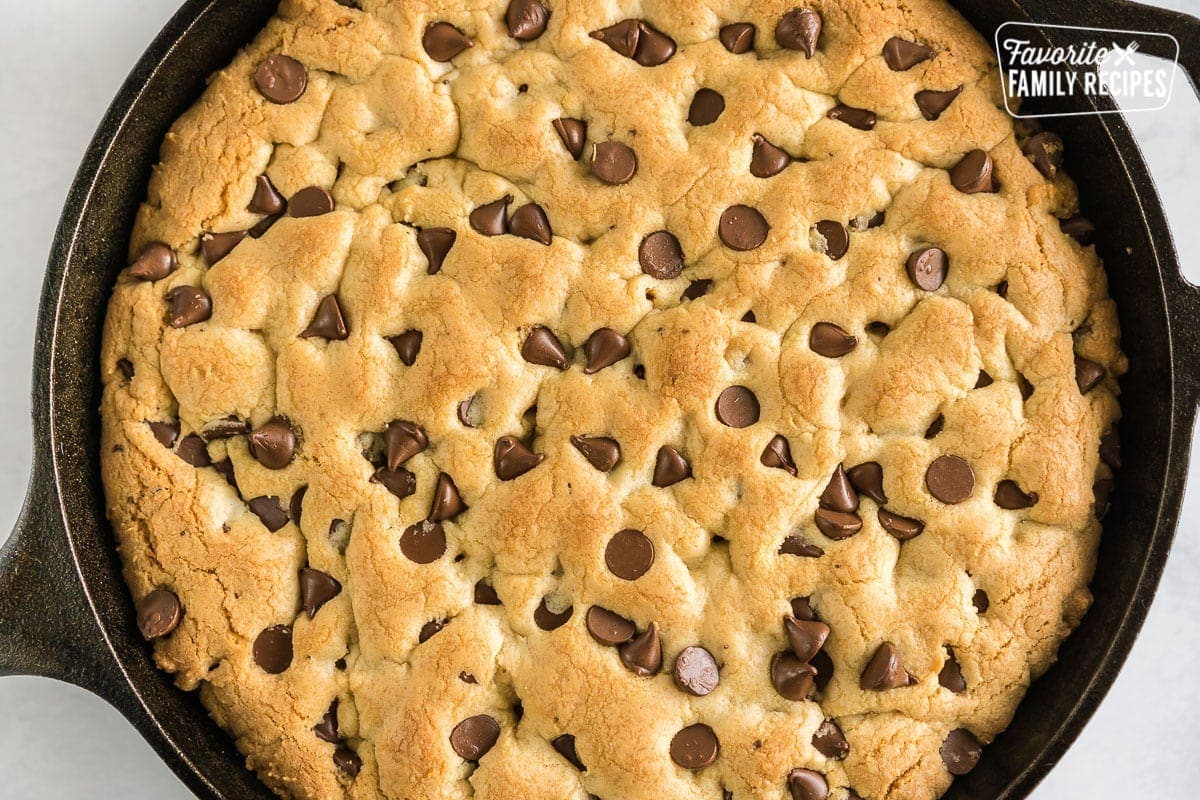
(405, 143)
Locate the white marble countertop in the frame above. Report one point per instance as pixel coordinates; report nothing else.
(60, 63)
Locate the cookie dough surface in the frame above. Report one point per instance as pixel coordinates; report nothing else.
(382, 520)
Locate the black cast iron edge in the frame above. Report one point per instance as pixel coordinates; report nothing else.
(52, 625)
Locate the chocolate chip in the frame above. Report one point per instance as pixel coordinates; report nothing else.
(1045, 151)
(903, 528)
(951, 676)
(311, 201)
(796, 546)
(737, 407)
(435, 244)
(743, 228)
(833, 240)
(549, 620)
(643, 653)
(1009, 495)
(316, 589)
(799, 29)
(403, 440)
(839, 494)
(215, 246)
(408, 346)
(475, 736)
(860, 118)
(526, 19)
(697, 288)
(296, 504)
(670, 467)
(749, 317)
(901, 54)
(932, 103)
(696, 671)
(193, 451)
(281, 79)
(399, 482)
(188, 306)
(608, 628)
(695, 747)
(629, 554)
(491, 219)
(802, 608)
(767, 160)
(660, 255)
(950, 479)
(601, 452)
(927, 268)
(654, 47)
(225, 468)
(805, 637)
(327, 729)
(564, 745)
(973, 173)
(829, 340)
(485, 595)
(792, 678)
(935, 427)
(622, 37)
(470, 412)
(1110, 449)
(1088, 374)
(424, 542)
(158, 613)
(737, 37)
(980, 601)
(542, 347)
(837, 524)
(604, 348)
(884, 671)
(707, 106)
(1079, 229)
(263, 225)
(865, 223)
(165, 432)
(347, 761)
(270, 511)
(512, 458)
(824, 666)
(155, 262)
(224, 428)
(960, 751)
(778, 455)
(530, 222)
(447, 503)
(984, 380)
(830, 742)
(573, 133)
(867, 478)
(805, 784)
(266, 198)
(273, 649)
(442, 41)
(613, 163)
(126, 368)
(327, 322)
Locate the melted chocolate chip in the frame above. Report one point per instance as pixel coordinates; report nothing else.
(549, 620)
(660, 255)
(839, 494)
(1110, 449)
(435, 244)
(951, 676)
(542, 347)
(1045, 150)
(526, 19)
(165, 432)
(270, 511)
(778, 455)
(805, 637)
(613, 163)
(1088, 374)
(573, 134)
(767, 160)
(830, 742)
(530, 222)
(408, 346)
(155, 262)
(927, 268)
(805, 784)
(833, 239)
(973, 174)
(903, 528)
(399, 482)
(225, 428)
(485, 595)
(950, 479)
(743, 228)
(1079, 229)
(601, 452)
(792, 678)
(642, 654)
(512, 459)
(695, 747)
(215, 246)
(311, 201)
(564, 745)
(707, 106)
(980, 601)
(273, 649)
(328, 321)
(830, 340)
(737, 37)
(475, 736)
(491, 219)
(327, 729)
(799, 29)
(188, 306)
(442, 41)
(867, 478)
(629, 554)
(837, 524)
(447, 503)
(960, 751)
(403, 440)
(158, 613)
(859, 118)
(884, 671)
(737, 407)
(670, 467)
(932, 103)
(608, 628)
(274, 444)
(281, 79)
(316, 589)
(193, 451)
(796, 546)
(901, 54)
(604, 348)
(424, 542)
(266, 198)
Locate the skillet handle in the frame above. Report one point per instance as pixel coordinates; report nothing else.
(47, 625)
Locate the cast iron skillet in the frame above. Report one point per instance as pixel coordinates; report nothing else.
(65, 612)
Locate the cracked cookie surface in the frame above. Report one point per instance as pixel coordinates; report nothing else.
(573, 399)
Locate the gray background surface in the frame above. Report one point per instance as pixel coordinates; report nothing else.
(61, 61)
